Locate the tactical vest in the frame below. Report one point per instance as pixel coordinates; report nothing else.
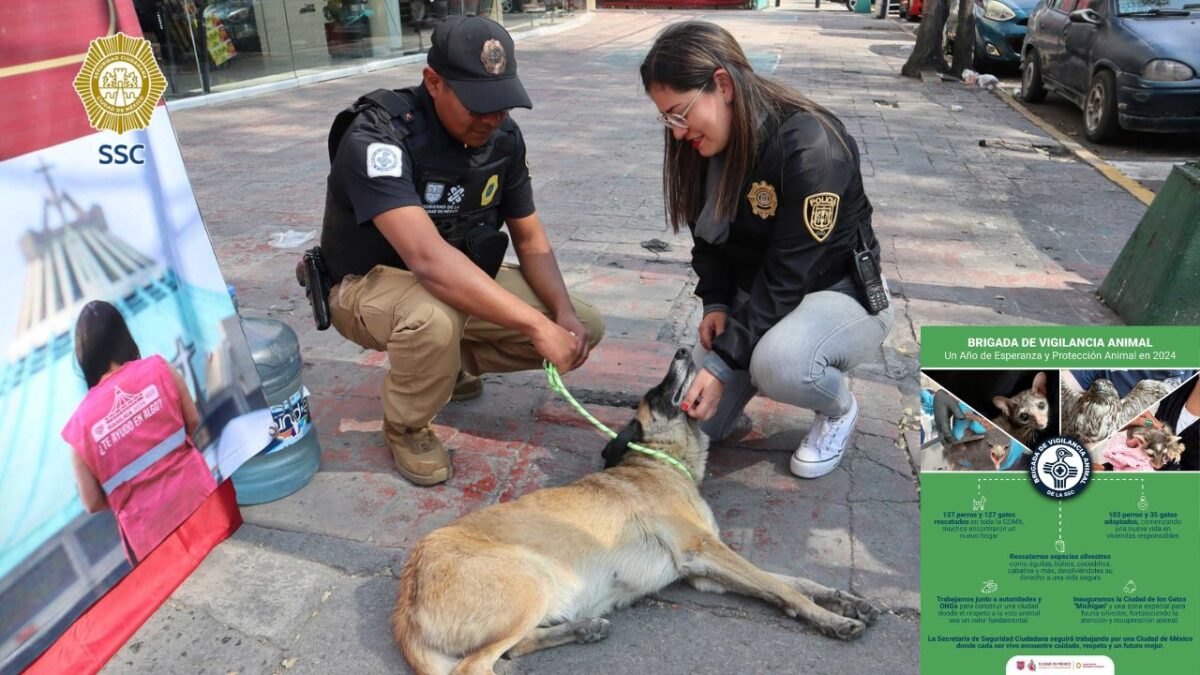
(461, 198)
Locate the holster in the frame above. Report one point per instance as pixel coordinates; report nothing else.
(314, 278)
(485, 246)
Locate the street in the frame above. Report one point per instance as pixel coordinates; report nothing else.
(1144, 157)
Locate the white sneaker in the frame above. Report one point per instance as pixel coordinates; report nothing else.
(825, 444)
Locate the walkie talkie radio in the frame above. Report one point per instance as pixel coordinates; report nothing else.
(869, 278)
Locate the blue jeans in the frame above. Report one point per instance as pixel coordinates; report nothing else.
(803, 359)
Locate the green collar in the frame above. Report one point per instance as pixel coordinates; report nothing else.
(556, 385)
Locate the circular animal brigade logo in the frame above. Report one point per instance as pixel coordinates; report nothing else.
(1060, 467)
(119, 83)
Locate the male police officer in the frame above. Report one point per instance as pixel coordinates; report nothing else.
(421, 181)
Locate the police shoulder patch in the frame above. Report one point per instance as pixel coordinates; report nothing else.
(763, 200)
(820, 214)
(383, 159)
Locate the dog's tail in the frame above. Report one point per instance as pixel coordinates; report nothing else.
(420, 655)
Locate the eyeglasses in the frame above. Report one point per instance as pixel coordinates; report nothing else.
(679, 120)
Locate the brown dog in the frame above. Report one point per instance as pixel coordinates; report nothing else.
(541, 571)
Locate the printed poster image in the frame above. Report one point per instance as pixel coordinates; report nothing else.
(110, 275)
(1060, 515)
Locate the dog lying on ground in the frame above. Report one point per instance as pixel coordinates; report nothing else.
(541, 571)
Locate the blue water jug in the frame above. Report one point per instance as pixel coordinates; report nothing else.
(289, 462)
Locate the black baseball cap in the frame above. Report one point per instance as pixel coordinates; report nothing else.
(475, 56)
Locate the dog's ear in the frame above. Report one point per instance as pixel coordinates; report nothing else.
(617, 447)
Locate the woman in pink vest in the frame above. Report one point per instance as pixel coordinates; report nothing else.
(132, 434)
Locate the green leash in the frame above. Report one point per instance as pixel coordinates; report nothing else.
(556, 385)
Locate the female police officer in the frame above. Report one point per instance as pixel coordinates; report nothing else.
(769, 184)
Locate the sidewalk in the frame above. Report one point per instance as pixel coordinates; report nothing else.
(971, 234)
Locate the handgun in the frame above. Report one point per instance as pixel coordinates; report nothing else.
(312, 277)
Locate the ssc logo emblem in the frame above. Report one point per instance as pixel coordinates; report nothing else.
(489, 190)
(383, 159)
(1060, 467)
(434, 192)
(763, 201)
(820, 214)
(119, 83)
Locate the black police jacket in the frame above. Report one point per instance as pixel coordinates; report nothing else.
(794, 233)
(382, 159)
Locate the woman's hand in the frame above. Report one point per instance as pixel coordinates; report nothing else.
(712, 325)
(702, 397)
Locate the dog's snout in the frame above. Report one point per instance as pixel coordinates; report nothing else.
(681, 354)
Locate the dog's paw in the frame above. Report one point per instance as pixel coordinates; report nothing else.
(844, 629)
(851, 606)
(591, 630)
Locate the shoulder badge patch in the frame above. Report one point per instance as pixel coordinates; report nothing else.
(383, 159)
(763, 200)
(493, 57)
(489, 190)
(820, 214)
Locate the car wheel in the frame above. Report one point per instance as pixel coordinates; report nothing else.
(1100, 108)
(506, 6)
(1033, 90)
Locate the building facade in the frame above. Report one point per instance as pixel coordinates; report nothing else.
(209, 47)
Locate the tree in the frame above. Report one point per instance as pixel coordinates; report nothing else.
(964, 38)
(929, 51)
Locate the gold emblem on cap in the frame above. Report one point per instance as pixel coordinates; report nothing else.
(762, 199)
(493, 57)
(820, 214)
(119, 83)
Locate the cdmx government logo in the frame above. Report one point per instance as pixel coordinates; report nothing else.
(119, 83)
(1060, 467)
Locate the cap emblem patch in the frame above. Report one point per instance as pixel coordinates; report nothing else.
(493, 57)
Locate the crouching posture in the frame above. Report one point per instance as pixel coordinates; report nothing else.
(421, 182)
(543, 570)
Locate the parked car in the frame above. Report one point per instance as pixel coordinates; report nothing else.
(999, 32)
(1128, 64)
(910, 10)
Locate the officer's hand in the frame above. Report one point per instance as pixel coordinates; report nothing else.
(556, 345)
(700, 402)
(712, 325)
(573, 325)
(945, 411)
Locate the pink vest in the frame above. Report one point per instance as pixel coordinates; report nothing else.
(129, 430)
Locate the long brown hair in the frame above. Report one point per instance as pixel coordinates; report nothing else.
(684, 57)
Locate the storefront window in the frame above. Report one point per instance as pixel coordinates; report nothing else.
(207, 47)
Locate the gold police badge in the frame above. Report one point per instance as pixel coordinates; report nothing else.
(820, 214)
(493, 57)
(763, 201)
(119, 83)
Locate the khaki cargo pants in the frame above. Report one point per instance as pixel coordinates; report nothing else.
(428, 342)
